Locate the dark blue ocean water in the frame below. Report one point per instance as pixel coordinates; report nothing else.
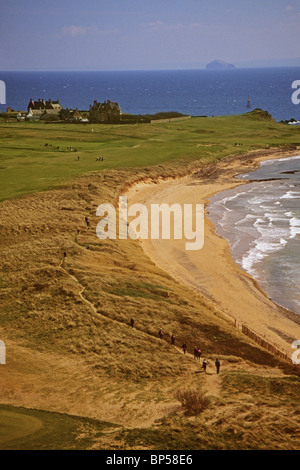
(195, 92)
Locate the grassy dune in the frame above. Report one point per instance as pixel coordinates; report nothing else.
(75, 368)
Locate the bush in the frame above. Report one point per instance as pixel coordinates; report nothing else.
(192, 401)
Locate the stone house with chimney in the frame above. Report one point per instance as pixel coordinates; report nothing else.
(43, 109)
(68, 114)
(107, 112)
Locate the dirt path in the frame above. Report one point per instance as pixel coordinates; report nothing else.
(84, 299)
(212, 380)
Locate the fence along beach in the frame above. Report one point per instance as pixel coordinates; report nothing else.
(211, 271)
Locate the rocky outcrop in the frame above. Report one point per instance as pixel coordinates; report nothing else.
(219, 65)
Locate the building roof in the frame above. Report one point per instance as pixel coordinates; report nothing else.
(77, 114)
(106, 106)
(42, 104)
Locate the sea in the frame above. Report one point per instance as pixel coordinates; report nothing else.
(192, 92)
(261, 221)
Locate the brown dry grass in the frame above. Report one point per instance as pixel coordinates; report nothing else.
(66, 322)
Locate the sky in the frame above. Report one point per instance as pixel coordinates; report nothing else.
(147, 34)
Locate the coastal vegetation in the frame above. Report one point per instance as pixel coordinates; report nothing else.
(77, 374)
(37, 156)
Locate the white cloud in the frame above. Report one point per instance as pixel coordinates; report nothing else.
(152, 25)
(163, 27)
(76, 30)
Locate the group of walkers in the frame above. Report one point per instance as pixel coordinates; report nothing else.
(197, 350)
(197, 356)
(197, 353)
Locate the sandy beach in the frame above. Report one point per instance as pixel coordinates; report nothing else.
(211, 271)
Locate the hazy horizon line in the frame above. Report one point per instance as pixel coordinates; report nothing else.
(171, 69)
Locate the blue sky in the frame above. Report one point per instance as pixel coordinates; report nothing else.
(143, 34)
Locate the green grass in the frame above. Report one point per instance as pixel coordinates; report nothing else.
(143, 290)
(27, 429)
(28, 165)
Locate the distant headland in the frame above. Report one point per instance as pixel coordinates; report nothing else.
(219, 65)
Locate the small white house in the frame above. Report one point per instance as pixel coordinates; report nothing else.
(20, 117)
(33, 116)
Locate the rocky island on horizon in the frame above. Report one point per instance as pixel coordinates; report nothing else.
(219, 65)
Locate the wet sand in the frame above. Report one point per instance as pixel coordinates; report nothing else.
(211, 271)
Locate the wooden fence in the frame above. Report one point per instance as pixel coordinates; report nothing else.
(264, 344)
(255, 337)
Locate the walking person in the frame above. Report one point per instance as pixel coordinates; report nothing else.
(195, 352)
(204, 365)
(160, 333)
(217, 364)
(173, 340)
(199, 353)
(184, 348)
